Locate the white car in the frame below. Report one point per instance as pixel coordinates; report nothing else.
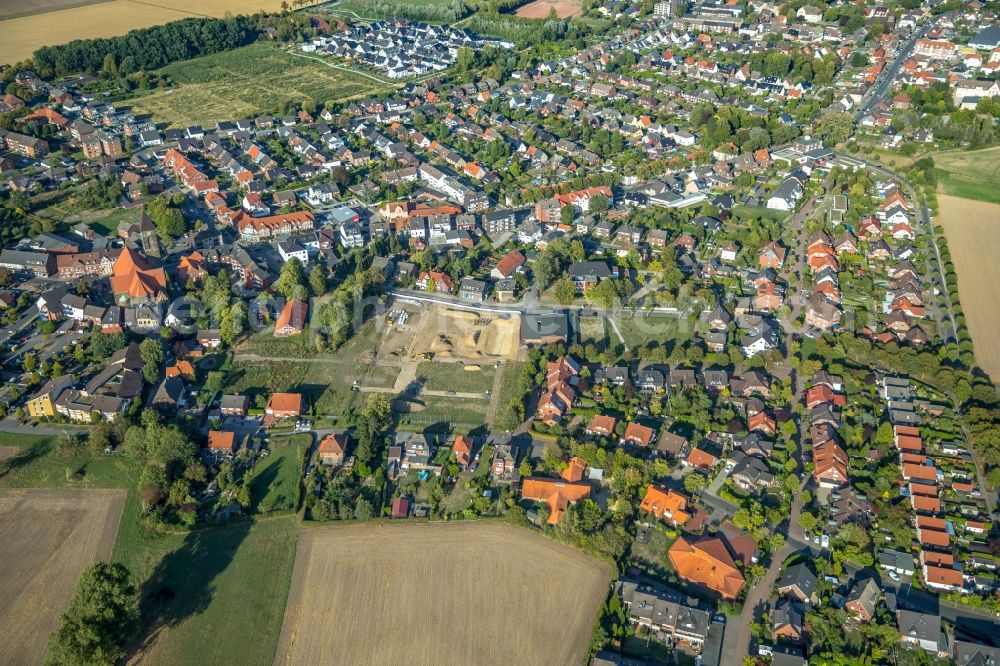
(893, 575)
(825, 541)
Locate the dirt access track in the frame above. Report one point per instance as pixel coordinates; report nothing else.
(47, 539)
(439, 594)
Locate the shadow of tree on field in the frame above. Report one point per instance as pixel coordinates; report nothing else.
(261, 483)
(25, 456)
(183, 583)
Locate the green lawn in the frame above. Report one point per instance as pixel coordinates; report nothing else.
(325, 385)
(962, 185)
(275, 480)
(510, 371)
(458, 500)
(458, 413)
(454, 377)
(971, 174)
(106, 222)
(246, 82)
(220, 594)
(267, 344)
(653, 553)
(326, 381)
(61, 210)
(191, 583)
(640, 330)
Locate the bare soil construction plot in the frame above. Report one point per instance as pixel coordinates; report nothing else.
(539, 9)
(47, 539)
(444, 333)
(439, 594)
(973, 232)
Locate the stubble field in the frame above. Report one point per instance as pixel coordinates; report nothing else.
(49, 24)
(540, 9)
(13, 8)
(47, 539)
(973, 232)
(474, 593)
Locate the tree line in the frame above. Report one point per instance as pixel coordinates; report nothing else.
(449, 13)
(147, 48)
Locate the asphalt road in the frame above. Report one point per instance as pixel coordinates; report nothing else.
(888, 74)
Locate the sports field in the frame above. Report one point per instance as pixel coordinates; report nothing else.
(973, 232)
(459, 593)
(970, 174)
(50, 22)
(246, 82)
(47, 539)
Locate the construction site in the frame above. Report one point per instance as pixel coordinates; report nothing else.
(416, 333)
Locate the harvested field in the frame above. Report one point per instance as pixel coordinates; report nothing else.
(11, 9)
(973, 232)
(349, 583)
(445, 333)
(102, 19)
(47, 539)
(540, 9)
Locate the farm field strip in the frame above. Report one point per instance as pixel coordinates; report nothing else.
(47, 539)
(24, 34)
(540, 9)
(973, 232)
(348, 580)
(9, 10)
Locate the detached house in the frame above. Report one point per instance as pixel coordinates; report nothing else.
(666, 505)
(332, 449)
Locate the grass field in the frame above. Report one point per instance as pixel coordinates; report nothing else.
(47, 539)
(23, 35)
(274, 483)
(354, 587)
(640, 330)
(246, 82)
(225, 591)
(454, 377)
(970, 174)
(326, 379)
(510, 371)
(323, 384)
(973, 232)
(453, 411)
(190, 582)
